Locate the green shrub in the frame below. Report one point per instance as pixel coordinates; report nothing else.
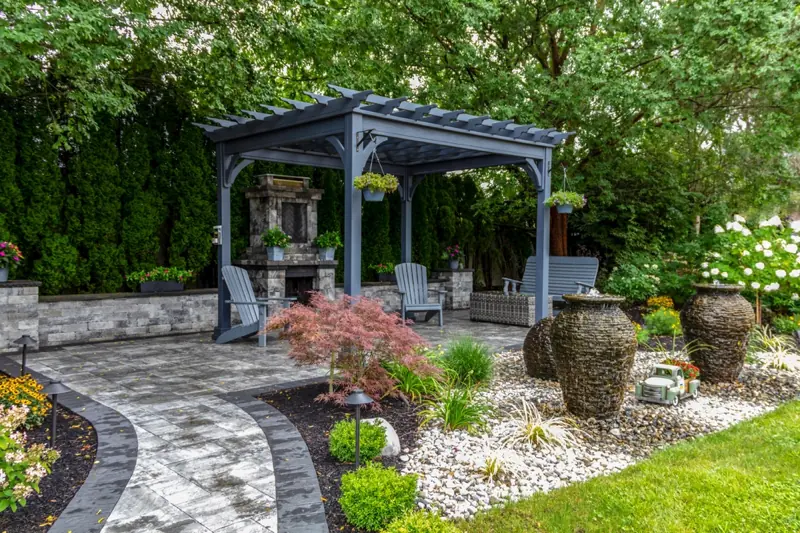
(412, 385)
(421, 522)
(329, 239)
(342, 441)
(374, 496)
(642, 335)
(631, 282)
(457, 408)
(468, 361)
(663, 322)
(275, 237)
(786, 325)
(376, 182)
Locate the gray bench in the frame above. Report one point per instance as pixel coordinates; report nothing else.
(568, 275)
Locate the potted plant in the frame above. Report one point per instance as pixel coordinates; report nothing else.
(275, 240)
(566, 201)
(160, 279)
(385, 271)
(375, 185)
(453, 255)
(10, 256)
(327, 243)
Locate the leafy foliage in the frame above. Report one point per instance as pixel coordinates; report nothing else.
(342, 441)
(159, 274)
(456, 408)
(329, 239)
(373, 496)
(409, 383)
(10, 255)
(660, 302)
(468, 361)
(774, 351)
(376, 182)
(631, 282)
(663, 321)
(577, 201)
(25, 391)
(275, 236)
(786, 324)
(421, 522)
(531, 428)
(21, 467)
(354, 336)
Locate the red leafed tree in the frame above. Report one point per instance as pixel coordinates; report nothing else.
(353, 336)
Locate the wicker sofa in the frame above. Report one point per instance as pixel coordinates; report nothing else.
(514, 309)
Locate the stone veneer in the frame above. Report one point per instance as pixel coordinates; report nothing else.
(459, 285)
(19, 313)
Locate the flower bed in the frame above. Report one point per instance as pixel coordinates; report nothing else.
(454, 466)
(77, 444)
(314, 420)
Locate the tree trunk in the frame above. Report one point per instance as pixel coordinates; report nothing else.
(558, 233)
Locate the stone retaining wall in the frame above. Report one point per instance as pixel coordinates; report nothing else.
(19, 313)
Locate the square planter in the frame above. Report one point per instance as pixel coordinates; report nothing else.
(275, 253)
(327, 254)
(160, 286)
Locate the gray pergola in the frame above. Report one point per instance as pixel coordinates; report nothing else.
(410, 140)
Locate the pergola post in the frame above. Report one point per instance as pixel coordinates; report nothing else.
(539, 172)
(405, 217)
(353, 166)
(224, 248)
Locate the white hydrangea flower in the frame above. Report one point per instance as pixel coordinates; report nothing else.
(716, 255)
(729, 225)
(740, 282)
(795, 238)
(795, 273)
(791, 248)
(766, 244)
(719, 229)
(768, 253)
(756, 285)
(714, 271)
(706, 274)
(746, 232)
(704, 264)
(772, 287)
(774, 221)
(745, 253)
(739, 218)
(736, 226)
(748, 271)
(759, 248)
(724, 275)
(780, 273)
(646, 266)
(760, 265)
(795, 225)
(795, 297)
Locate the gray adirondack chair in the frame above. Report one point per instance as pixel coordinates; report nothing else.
(252, 311)
(412, 283)
(568, 275)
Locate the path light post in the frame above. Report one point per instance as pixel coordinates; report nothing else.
(357, 398)
(54, 388)
(25, 341)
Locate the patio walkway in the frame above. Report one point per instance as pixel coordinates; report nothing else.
(204, 465)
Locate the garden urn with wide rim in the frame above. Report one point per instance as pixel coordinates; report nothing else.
(718, 320)
(594, 345)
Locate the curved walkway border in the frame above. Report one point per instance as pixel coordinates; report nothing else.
(117, 448)
(298, 497)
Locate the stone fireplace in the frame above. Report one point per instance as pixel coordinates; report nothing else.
(289, 203)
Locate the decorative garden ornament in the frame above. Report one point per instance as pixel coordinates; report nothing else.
(719, 319)
(565, 201)
(667, 384)
(594, 344)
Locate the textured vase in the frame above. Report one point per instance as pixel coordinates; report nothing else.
(718, 319)
(594, 344)
(537, 350)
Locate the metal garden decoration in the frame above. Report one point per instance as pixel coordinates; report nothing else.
(565, 201)
(408, 140)
(669, 384)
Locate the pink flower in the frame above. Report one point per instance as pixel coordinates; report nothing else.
(2, 254)
(16, 259)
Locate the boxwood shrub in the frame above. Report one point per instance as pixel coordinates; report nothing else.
(374, 496)
(421, 522)
(342, 441)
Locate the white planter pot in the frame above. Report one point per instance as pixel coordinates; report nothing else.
(275, 253)
(373, 196)
(564, 209)
(3, 274)
(326, 254)
(454, 264)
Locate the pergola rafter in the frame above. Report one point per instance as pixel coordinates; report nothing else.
(410, 140)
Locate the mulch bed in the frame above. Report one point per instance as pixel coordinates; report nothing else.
(314, 421)
(77, 442)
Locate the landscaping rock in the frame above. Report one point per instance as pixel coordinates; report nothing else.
(392, 447)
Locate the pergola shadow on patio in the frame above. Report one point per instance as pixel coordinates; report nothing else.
(411, 141)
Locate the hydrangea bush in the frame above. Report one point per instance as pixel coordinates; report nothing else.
(21, 467)
(763, 258)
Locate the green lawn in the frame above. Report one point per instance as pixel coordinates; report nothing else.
(744, 479)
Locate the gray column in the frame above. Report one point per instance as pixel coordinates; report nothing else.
(353, 166)
(224, 249)
(543, 239)
(405, 218)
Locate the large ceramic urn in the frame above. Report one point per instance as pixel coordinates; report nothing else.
(718, 320)
(594, 345)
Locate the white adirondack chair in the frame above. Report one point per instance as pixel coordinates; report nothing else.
(252, 311)
(412, 283)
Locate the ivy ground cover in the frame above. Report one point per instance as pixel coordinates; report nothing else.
(746, 478)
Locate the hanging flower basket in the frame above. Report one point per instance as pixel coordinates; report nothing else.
(566, 201)
(375, 186)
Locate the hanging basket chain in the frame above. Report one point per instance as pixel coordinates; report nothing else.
(375, 155)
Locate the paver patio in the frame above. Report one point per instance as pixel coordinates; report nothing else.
(203, 464)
